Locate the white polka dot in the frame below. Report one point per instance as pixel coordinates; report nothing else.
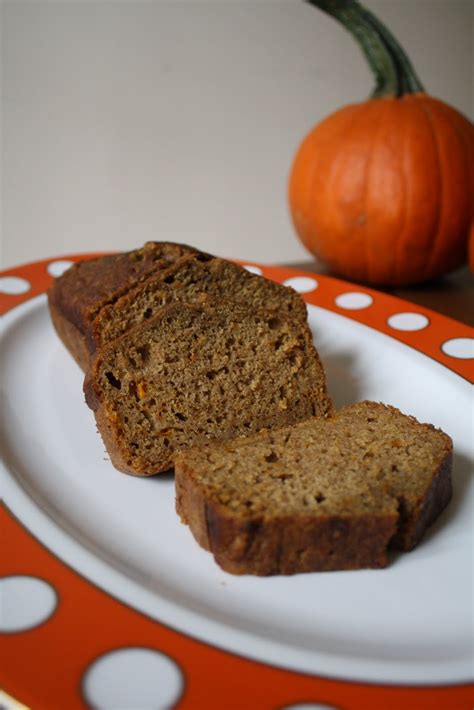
(408, 321)
(302, 284)
(25, 602)
(253, 269)
(13, 285)
(462, 348)
(57, 268)
(309, 706)
(133, 678)
(9, 703)
(354, 300)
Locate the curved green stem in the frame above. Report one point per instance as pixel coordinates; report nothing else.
(392, 69)
(412, 84)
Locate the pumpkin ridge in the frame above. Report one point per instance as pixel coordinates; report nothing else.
(439, 201)
(309, 151)
(358, 116)
(400, 242)
(368, 242)
(309, 196)
(462, 127)
(317, 162)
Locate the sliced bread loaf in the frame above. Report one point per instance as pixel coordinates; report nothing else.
(193, 373)
(187, 280)
(324, 494)
(76, 297)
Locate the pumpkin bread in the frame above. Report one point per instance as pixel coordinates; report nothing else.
(76, 297)
(197, 372)
(187, 280)
(323, 494)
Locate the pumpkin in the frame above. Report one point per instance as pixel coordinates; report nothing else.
(383, 191)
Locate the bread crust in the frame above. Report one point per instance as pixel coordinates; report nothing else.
(111, 436)
(412, 526)
(119, 455)
(411, 529)
(282, 545)
(71, 337)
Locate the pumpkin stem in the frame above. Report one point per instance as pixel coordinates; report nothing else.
(394, 73)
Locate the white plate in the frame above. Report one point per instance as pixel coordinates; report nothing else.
(405, 624)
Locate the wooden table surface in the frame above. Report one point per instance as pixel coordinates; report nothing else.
(452, 295)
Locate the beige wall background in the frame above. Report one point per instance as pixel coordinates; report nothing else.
(125, 121)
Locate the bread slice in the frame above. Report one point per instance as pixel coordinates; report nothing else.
(324, 494)
(187, 280)
(76, 297)
(199, 372)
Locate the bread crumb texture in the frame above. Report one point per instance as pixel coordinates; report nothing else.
(193, 373)
(190, 279)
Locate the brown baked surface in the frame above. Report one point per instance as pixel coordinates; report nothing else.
(76, 297)
(187, 280)
(198, 372)
(324, 494)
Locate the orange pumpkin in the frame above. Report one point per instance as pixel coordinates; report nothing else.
(383, 191)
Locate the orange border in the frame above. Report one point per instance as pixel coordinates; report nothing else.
(427, 341)
(43, 666)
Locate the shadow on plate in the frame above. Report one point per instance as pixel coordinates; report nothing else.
(161, 478)
(462, 475)
(342, 378)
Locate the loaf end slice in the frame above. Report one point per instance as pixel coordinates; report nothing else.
(76, 297)
(194, 373)
(319, 495)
